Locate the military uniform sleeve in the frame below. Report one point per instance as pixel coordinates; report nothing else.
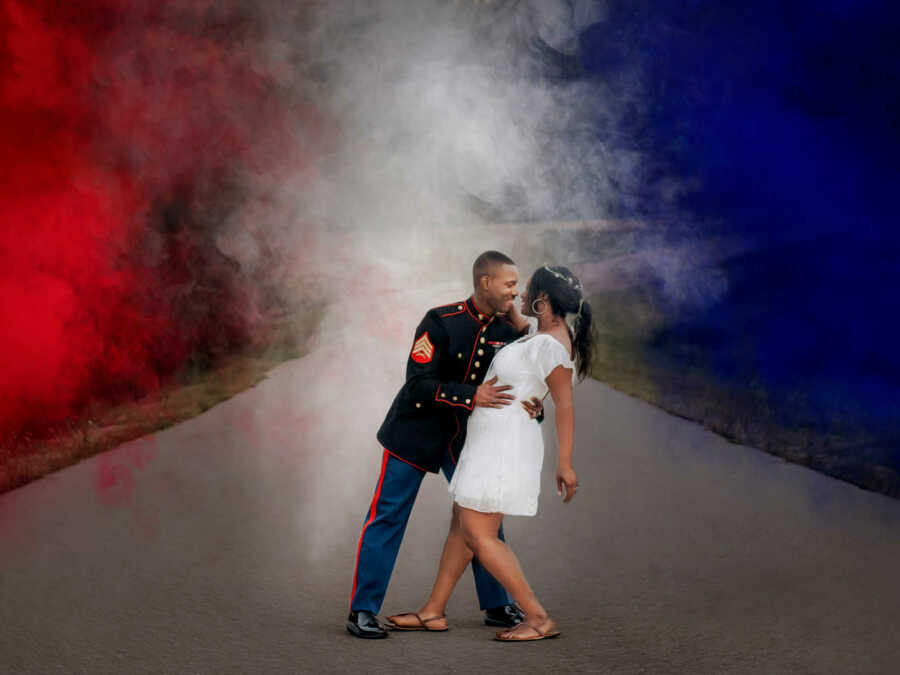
(423, 369)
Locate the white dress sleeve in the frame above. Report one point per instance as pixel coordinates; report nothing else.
(549, 353)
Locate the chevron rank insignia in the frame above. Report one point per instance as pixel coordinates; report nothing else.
(422, 350)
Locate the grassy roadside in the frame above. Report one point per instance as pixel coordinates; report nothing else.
(187, 394)
(678, 379)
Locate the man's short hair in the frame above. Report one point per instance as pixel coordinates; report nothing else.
(485, 264)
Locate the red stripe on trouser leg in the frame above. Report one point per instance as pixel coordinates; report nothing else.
(372, 510)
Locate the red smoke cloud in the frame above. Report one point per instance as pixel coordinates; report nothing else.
(124, 128)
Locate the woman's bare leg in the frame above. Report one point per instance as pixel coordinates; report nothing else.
(454, 560)
(480, 534)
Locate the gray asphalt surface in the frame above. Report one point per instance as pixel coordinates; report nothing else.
(226, 545)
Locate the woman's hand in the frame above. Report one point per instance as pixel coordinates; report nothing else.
(534, 407)
(514, 316)
(565, 475)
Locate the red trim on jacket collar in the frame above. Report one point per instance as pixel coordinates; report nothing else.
(474, 311)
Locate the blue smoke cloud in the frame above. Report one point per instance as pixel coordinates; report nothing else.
(783, 116)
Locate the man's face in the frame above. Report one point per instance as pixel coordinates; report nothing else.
(501, 288)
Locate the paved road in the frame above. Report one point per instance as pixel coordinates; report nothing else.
(225, 545)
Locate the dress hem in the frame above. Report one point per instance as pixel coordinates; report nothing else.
(489, 507)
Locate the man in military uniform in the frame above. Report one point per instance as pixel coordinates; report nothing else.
(426, 427)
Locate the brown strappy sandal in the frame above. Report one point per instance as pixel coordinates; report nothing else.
(423, 623)
(508, 635)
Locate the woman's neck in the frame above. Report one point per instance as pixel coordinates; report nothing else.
(548, 321)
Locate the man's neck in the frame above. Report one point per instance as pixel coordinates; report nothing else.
(483, 306)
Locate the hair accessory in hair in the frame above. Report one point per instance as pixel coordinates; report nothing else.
(577, 319)
(570, 280)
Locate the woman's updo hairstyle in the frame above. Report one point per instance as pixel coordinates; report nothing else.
(566, 297)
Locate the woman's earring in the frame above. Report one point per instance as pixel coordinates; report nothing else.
(534, 307)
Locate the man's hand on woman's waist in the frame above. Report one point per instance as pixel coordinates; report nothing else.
(488, 395)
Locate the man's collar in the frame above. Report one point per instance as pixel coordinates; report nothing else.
(476, 313)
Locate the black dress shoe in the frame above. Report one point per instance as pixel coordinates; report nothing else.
(363, 624)
(506, 616)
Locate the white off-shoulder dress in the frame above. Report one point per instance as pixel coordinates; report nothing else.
(499, 468)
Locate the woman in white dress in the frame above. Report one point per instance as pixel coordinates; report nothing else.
(499, 467)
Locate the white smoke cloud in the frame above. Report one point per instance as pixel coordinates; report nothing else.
(443, 119)
(445, 122)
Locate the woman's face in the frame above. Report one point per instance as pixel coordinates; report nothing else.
(528, 301)
(527, 309)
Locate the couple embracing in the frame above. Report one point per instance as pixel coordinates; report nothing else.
(470, 407)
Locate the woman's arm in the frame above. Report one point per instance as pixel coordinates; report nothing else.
(559, 381)
(516, 319)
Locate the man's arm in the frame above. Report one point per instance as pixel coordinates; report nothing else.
(423, 365)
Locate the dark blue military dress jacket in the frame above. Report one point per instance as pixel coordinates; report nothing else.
(453, 347)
